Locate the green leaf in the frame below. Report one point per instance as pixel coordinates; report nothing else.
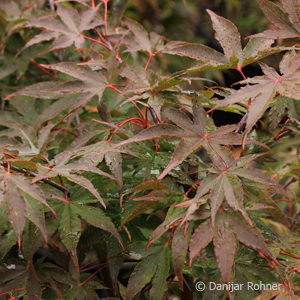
(141, 275)
(96, 217)
(7, 242)
(70, 231)
(159, 281)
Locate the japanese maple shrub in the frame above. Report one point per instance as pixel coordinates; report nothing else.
(116, 183)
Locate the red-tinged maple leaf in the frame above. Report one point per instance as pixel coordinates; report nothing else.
(285, 18)
(23, 201)
(148, 85)
(225, 181)
(151, 43)
(158, 190)
(180, 244)
(193, 135)
(140, 84)
(263, 89)
(89, 83)
(234, 56)
(67, 32)
(59, 166)
(228, 226)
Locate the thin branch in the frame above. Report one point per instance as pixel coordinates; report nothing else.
(32, 174)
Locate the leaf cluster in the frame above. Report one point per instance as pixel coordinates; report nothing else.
(110, 162)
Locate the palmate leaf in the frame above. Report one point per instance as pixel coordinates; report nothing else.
(229, 38)
(285, 17)
(139, 83)
(224, 241)
(67, 32)
(264, 88)
(33, 139)
(59, 166)
(23, 202)
(89, 158)
(226, 183)
(89, 83)
(146, 85)
(151, 43)
(193, 135)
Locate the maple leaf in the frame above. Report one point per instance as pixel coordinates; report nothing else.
(225, 181)
(234, 56)
(193, 135)
(151, 43)
(22, 202)
(224, 241)
(285, 18)
(89, 83)
(139, 82)
(67, 32)
(263, 89)
(149, 185)
(32, 142)
(59, 166)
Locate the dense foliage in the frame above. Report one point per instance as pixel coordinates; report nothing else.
(117, 181)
